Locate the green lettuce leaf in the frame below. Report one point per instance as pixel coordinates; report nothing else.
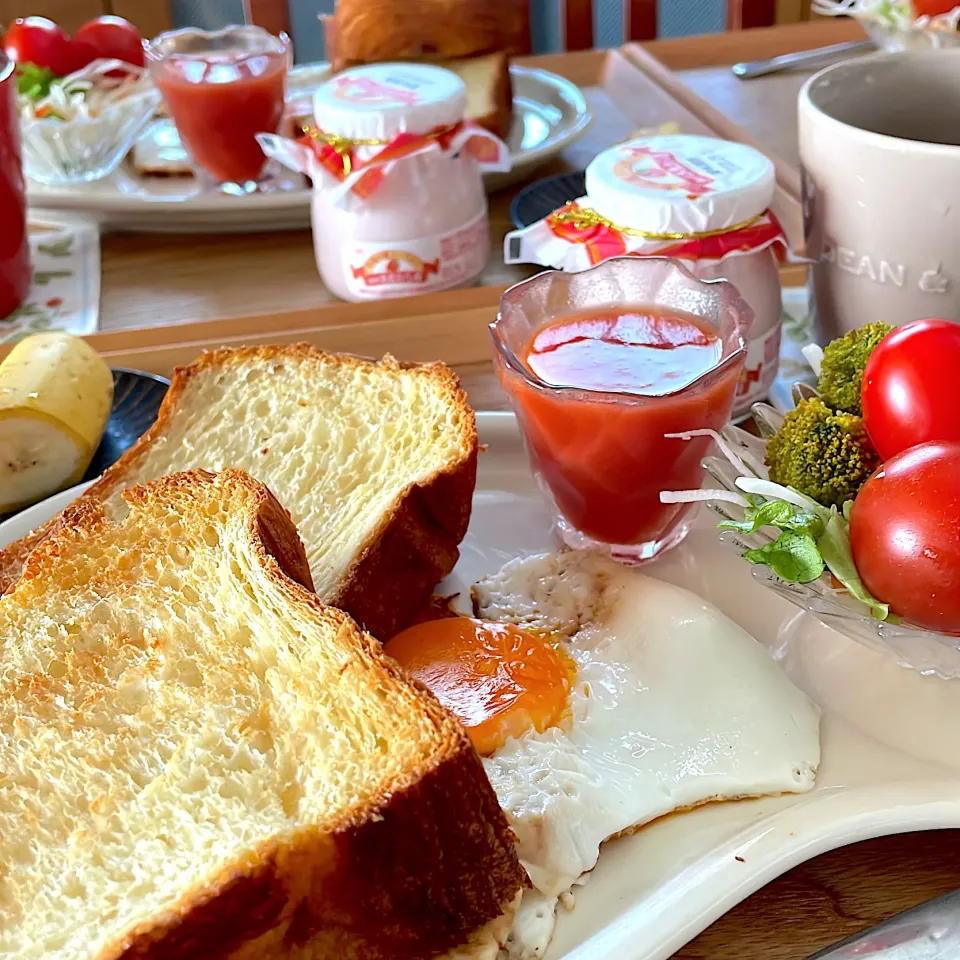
(34, 82)
(779, 514)
(793, 557)
(835, 548)
(808, 544)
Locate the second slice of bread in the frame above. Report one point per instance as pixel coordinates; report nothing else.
(489, 90)
(376, 462)
(199, 759)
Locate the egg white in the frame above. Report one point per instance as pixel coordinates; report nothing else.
(673, 705)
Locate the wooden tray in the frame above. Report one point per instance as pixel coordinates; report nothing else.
(449, 326)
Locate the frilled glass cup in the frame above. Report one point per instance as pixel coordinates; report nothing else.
(222, 88)
(602, 457)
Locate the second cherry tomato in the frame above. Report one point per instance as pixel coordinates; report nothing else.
(911, 387)
(114, 39)
(40, 41)
(905, 535)
(83, 54)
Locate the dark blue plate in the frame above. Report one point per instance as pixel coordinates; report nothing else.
(538, 200)
(136, 400)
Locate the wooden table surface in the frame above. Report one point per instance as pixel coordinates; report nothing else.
(167, 280)
(150, 280)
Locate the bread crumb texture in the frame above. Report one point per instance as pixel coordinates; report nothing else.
(198, 758)
(376, 461)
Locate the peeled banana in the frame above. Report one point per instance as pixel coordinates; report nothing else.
(55, 398)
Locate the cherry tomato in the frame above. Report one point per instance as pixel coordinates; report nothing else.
(113, 38)
(911, 387)
(933, 8)
(39, 41)
(83, 54)
(905, 535)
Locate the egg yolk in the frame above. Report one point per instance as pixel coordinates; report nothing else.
(497, 679)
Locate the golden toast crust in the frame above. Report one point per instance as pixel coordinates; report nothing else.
(408, 875)
(415, 544)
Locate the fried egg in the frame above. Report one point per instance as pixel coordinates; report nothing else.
(601, 699)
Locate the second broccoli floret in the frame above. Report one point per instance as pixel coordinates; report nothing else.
(823, 454)
(841, 371)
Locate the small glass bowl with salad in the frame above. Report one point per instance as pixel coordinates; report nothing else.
(78, 128)
(901, 24)
(848, 505)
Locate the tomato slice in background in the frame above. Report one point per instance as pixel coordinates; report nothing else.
(113, 38)
(40, 41)
(911, 387)
(905, 535)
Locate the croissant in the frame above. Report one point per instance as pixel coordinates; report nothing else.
(370, 31)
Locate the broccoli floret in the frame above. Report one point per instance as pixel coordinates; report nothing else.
(844, 360)
(823, 454)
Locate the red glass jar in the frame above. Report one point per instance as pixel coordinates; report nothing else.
(14, 240)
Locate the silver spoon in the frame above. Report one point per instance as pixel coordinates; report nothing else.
(805, 58)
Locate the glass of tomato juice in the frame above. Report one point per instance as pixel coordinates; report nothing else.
(601, 367)
(222, 88)
(14, 239)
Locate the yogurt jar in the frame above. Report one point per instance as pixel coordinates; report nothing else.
(398, 204)
(699, 200)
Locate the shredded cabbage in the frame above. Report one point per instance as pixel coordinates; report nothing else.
(85, 94)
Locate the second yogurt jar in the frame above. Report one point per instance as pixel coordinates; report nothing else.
(699, 200)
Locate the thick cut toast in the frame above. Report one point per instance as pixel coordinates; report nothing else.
(200, 760)
(376, 462)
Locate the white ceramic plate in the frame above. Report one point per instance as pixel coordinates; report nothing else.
(550, 113)
(888, 735)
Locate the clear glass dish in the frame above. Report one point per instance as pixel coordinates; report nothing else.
(916, 38)
(922, 650)
(893, 24)
(85, 149)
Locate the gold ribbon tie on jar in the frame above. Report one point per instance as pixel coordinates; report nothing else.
(583, 218)
(344, 146)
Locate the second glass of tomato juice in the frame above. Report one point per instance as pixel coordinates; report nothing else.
(601, 367)
(222, 88)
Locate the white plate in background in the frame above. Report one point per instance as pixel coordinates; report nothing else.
(550, 112)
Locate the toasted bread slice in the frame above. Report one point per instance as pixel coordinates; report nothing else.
(200, 759)
(375, 461)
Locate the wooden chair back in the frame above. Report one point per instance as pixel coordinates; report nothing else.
(640, 21)
(576, 17)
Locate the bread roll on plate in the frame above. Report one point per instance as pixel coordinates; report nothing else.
(371, 31)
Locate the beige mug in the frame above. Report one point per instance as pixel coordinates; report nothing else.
(880, 155)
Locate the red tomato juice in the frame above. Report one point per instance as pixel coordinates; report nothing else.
(603, 454)
(219, 102)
